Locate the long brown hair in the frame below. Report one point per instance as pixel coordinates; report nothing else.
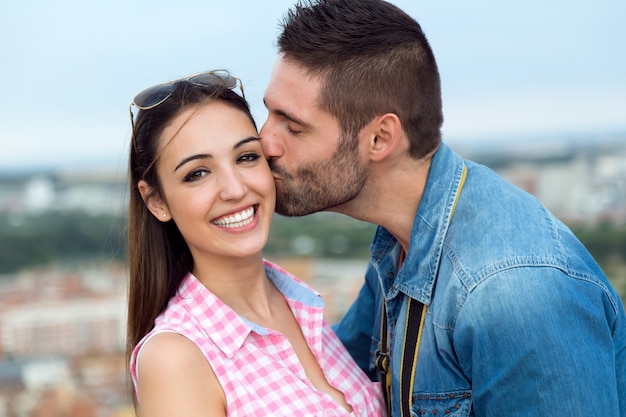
(158, 256)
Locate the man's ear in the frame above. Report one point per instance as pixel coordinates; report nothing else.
(385, 136)
(153, 201)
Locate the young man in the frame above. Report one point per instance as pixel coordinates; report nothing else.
(504, 311)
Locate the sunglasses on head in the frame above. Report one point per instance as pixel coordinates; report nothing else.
(153, 96)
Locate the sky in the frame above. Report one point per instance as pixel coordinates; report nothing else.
(510, 70)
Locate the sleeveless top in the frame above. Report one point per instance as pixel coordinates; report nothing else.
(257, 368)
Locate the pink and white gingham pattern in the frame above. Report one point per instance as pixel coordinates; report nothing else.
(257, 367)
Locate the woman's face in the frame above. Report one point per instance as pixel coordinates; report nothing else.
(216, 183)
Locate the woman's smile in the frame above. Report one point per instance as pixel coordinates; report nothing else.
(236, 220)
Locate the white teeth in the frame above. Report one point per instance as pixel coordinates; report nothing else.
(236, 220)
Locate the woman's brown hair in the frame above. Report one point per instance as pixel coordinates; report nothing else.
(158, 256)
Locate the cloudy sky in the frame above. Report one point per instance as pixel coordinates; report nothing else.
(511, 69)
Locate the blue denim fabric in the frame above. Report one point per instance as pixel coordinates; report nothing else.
(521, 321)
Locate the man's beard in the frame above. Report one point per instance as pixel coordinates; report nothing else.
(320, 185)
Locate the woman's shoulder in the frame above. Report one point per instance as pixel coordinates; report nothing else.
(172, 373)
(169, 348)
(168, 354)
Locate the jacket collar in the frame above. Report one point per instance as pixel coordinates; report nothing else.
(417, 275)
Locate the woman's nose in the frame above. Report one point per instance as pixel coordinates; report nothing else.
(233, 186)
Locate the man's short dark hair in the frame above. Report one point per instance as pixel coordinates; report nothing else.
(373, 59)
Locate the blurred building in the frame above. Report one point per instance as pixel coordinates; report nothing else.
(579, 187)
(58, 312)
(96, 193)
(62, 343)
(580, 182)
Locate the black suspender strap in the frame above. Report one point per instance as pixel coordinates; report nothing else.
(416, 314)
(382, 360)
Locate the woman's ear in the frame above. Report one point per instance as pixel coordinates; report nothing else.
(153, 201)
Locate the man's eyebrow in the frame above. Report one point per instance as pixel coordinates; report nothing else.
(288, 116)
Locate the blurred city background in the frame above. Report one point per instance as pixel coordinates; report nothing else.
(536, 90)
(63, 277)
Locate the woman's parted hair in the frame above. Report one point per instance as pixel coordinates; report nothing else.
(158, 256)
(373, 58)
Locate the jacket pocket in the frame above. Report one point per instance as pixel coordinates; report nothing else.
(454, 403)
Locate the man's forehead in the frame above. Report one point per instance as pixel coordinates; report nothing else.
(292, 91)
(288, 73)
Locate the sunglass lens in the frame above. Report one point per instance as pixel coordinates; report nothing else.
(215, 79)
(153, 96)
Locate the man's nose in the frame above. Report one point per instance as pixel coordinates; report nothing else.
(272, 146)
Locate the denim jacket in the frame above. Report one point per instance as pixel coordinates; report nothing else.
(520, 320)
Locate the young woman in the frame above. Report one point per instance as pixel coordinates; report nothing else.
(213, 328)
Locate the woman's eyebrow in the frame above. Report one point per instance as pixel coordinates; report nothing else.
(193, 158)
(246, 140)
(208, 156)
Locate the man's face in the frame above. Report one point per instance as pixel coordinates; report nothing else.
(315, 167)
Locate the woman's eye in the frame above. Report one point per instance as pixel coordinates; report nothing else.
(248, 157)
(195, 175)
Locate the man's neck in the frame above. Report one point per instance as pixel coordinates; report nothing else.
(391, 197)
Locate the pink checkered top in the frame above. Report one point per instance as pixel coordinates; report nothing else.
(257, 367)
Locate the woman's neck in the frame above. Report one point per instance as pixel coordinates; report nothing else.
(241, 283)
